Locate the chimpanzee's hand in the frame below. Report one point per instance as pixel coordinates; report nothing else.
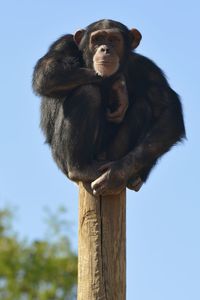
(112, 181)
(120, 91)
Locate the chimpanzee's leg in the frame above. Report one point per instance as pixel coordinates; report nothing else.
(131, 131)
(78, 133)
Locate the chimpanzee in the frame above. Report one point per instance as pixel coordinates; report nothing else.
(107, 112)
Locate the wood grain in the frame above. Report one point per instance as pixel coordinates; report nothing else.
(102, 247)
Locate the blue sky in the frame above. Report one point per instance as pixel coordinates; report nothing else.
(163, 224)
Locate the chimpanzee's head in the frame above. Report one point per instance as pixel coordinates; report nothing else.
(105, 45)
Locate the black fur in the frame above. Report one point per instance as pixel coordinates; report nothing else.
(73, 116)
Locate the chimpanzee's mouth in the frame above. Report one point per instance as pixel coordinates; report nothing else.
(105, 62)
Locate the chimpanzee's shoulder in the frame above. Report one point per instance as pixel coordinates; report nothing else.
(145, 65)
(146, 69)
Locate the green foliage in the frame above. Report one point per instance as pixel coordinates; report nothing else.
(41, 270)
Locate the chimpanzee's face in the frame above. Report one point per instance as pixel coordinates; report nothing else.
(107, 47)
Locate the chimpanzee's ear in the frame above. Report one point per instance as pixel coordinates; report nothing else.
(135, 37)
(78, 36)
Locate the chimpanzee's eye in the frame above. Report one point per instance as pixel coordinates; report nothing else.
(97, 39)
(114, 39)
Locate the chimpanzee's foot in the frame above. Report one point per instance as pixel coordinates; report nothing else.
(135, 184)
(86, 174)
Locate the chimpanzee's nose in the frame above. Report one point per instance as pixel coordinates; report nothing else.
(105, 49)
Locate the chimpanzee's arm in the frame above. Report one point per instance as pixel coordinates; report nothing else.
(61, 70)
(167, 130)
(52, 80)
(167, 127)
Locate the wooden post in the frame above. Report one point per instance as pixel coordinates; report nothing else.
(102, 247)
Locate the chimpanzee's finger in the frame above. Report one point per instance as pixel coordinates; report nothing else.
(100, 191)
(120, 111)
(99, 182)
